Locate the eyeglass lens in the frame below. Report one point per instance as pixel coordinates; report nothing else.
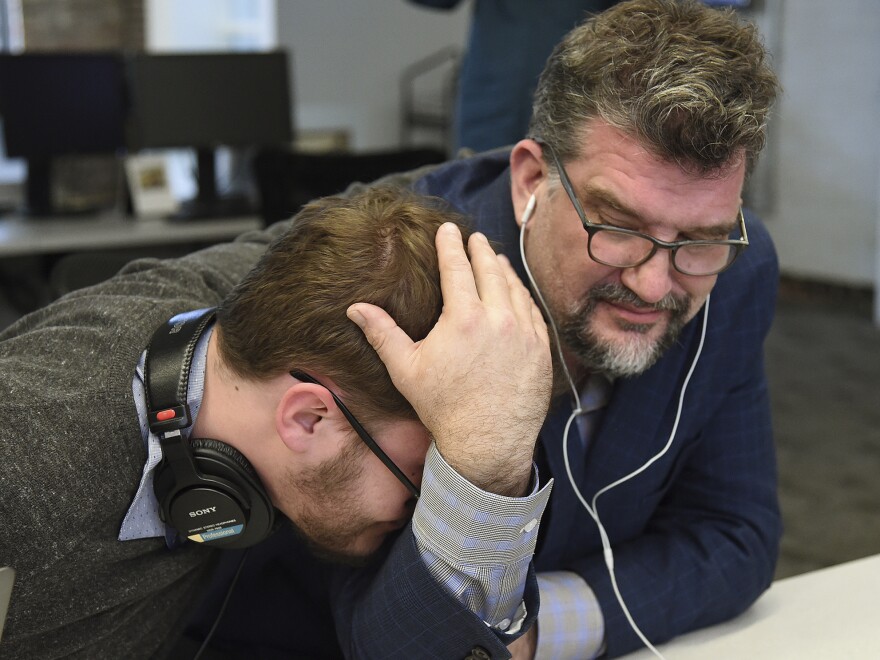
(624, 250)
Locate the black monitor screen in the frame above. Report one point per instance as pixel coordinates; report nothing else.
(209, 99)
(55, 104)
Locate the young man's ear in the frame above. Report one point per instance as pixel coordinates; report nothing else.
(301, 415)
(527, 172)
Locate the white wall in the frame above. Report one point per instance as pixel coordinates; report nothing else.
(825, 215)
(348, 55)
(209, 25)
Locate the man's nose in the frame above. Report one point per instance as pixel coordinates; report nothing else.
(652, 280)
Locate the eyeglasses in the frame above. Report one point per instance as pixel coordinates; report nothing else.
(625, 248)
(362, 433)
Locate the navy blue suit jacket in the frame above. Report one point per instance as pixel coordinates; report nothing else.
(696, 536)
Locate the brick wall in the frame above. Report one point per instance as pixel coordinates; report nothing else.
(76, 25)
(51, 25)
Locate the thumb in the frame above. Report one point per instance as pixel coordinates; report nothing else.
(393, 346)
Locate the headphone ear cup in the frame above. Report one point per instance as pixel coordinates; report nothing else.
(214, 496)
(217, 460)
(220, 451)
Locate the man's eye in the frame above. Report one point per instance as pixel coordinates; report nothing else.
(601, 219)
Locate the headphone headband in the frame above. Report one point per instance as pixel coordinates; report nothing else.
(167, 366)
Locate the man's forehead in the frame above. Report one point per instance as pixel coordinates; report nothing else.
(599, 136)
(657, 203)
(607, 200)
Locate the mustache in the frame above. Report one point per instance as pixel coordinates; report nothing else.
(619, 294)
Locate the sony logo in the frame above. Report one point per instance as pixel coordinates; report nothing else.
(202, 512)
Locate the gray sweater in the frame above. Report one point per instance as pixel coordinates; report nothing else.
(71, 455)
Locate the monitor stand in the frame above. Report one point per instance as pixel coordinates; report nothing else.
(38, 188)
(208, 205)
(38, 193)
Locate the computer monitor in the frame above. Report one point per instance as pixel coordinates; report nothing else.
(55, 104)
(207, 100)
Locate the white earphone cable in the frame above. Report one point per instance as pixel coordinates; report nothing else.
(593, 510)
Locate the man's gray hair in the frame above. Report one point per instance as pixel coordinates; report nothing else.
(690, 82)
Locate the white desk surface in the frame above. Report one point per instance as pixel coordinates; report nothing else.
(30, 236)
(829, 614)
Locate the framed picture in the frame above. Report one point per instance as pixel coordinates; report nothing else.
(7, 577)
(148, 182)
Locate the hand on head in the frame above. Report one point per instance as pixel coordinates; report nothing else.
(480, 381)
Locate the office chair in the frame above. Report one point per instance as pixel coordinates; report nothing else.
(287, 180)
(81, 269)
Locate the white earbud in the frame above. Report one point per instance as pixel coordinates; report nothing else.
(530, 208)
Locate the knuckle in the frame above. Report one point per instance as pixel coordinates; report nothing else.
(378, 339)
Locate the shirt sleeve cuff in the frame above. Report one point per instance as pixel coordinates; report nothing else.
(477, 544)
(464, 524)
(570, 624)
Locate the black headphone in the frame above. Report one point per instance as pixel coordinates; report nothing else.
(207, 490)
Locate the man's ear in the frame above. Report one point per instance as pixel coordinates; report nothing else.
(301, 415)
(527, 172)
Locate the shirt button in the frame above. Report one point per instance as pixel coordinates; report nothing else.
(530, 525)
(504, 624)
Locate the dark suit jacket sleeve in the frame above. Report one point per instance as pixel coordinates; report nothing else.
(399, 611)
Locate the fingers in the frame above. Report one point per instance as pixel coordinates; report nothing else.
(456, 276)
(524, 307)
(470, 277)
(482, 276)
(489, 275)
(393, 346)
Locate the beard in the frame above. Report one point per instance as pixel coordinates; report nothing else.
(634, 352)
(329, 518)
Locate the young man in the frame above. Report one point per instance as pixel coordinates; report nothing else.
(627, 198)
(112, 455)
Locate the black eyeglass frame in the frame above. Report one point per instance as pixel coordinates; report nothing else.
(592, 229)
(362, 434)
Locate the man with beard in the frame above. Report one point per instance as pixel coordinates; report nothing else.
(622, 210)
(124, 468)
(624, 203)
(627, 199)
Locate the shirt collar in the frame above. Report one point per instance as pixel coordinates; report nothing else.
(142, 518)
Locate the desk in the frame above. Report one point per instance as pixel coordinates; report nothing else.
(829, 613)
(35, 236)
